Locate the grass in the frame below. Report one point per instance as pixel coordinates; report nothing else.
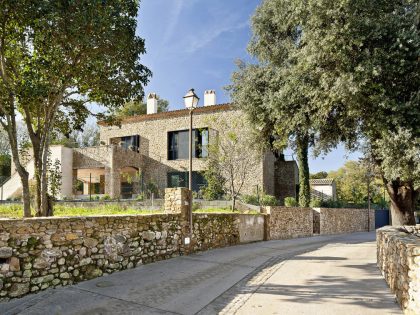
(16, 211)
(224, 210)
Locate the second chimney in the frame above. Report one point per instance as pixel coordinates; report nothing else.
(209, 98)
(152, 103)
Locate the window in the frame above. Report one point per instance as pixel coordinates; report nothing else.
(131, 143)
(178, 144)
(180, 179)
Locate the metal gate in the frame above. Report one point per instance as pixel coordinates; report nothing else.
(381, 218)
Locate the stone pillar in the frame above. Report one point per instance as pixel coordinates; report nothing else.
(74, 182)
(115, 183)
(177, 200)
(112, 182)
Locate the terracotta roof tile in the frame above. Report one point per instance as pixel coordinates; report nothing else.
(173, 113)
(322, 181)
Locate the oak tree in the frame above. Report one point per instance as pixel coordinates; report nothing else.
(56, 58)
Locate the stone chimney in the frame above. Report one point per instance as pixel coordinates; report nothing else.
(152, 103)
(209, 97)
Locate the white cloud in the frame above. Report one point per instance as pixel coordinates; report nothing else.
(201, 40)
(173, 20)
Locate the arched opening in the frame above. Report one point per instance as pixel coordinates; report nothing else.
(131, 182)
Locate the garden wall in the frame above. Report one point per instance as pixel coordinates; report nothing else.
(343, 220)
(288, 222)
(398, 256)
(38, 253)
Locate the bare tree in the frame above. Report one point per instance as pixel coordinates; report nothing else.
(234, 154)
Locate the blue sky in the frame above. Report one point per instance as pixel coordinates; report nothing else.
(194, 43)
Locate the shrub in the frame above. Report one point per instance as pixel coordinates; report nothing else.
(315, 203)
(215, 182)
(196, 206)
(290, 202)
(105, 197)
(335, 204)
(250, 199)
(140, 197)
(268, 200)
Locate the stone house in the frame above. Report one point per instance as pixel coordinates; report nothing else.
(323, 189)
(150, 152)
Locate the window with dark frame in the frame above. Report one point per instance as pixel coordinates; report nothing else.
(180, 179)
(178, 143)
(131, 142)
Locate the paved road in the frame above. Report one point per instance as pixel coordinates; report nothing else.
(318, 275)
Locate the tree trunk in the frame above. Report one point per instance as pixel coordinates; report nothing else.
(45, 199)
(403, 202)
(37, 177)
(24, 177)
(233, 203)
(302, 157)
(26, 195)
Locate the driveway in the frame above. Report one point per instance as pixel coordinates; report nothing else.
(318, 275)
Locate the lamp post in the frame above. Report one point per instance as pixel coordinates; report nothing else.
(190, 101)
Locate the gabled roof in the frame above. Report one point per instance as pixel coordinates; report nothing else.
(322, 181)
(173, 113)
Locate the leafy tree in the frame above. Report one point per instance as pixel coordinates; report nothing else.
(356, 67)
(258, 90)
(55, 58)
(352, 183)
(319, 175)
(134, 108)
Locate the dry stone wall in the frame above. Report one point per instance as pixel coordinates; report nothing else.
(343, 220)
(288, 222)
(39, 253)
(399, 261)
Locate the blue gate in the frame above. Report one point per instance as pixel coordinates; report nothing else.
(381, 218)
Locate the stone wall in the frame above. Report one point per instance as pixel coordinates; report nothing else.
(316, 216)
(343, 220)
(398, 259)
(286, 178)
(288, 222)
(38, 253)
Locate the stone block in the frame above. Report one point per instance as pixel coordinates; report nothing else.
(18, 289)
(6, 252)
(14, 264)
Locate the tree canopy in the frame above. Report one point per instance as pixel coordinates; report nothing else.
(352, 68)
(134, 108)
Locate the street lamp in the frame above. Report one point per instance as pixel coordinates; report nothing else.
(190, 101)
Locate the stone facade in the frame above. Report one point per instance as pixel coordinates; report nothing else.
(288, 222)
(286, 180)
(399, 261)
(153, 130)
(341, 220)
